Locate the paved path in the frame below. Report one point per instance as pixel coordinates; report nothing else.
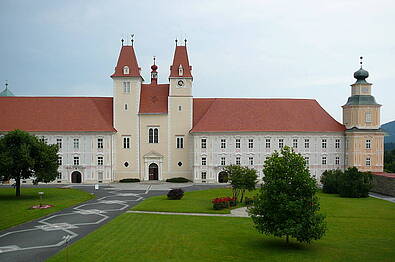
(383, 197)
(238, 212)
(40, 239)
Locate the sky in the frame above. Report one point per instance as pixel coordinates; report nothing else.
(246, 48)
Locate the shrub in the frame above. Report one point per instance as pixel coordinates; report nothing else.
(129, 180)
(178, 180)
(175, 194)
(353, 183)
(249, 201)
(330, 181)
(223, 202)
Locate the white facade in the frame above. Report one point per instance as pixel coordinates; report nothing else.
(323, 151)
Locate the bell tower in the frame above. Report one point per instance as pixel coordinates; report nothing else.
(361, 116)
(127, 83)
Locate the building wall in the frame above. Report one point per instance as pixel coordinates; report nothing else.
(259, 152)
(355, 116)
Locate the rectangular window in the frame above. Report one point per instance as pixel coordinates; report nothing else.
(337, 143)
(204, 175)
(76, 143)
(295, 143)
(126, 87)
(323, 160)
(153, 135)
(126, 142)
(204, 142)
(280, 143)
(60, 160)
(223, 161)
(337, 161)
(250, 143)
(323, 143)
(180, 142)
(100, 160)
(237, 143)
(100, 143)
(76, 161)
(223, 143)
(307, 160)
(267, 144)
(368, 117)
(59, 175)
(368, 161)
(368, 144)
(251, 160)
(238, 160)
(307, 143)
(204, 161)
(100, 176)
(59, 142)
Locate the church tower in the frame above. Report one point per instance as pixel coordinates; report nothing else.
(361, 116)
(180, 111)
(126, 91)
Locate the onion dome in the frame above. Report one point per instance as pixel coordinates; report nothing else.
(361, 75)
(154, 67)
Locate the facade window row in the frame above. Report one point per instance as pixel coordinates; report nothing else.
(76, 142)
(76, 160)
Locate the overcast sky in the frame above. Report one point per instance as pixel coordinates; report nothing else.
(264, 49)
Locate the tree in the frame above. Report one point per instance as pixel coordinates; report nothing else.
(287, 204)
(330, 181)
(354, 183)
(242, 179)
(23, 156)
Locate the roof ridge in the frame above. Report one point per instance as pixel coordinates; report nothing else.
(205, 113)
(248, 98)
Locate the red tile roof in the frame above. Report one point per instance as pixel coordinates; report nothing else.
(255, 115)
(127, 57)
(54, 114)
(153, 98)
(180, 58)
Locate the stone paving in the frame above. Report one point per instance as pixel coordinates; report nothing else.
(238, 212)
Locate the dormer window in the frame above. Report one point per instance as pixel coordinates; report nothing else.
(180, 70)
(125, 70)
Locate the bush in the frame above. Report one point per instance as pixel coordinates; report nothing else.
(175, 194)
(178, 180)
(330, 180)
(353, 183)
(249, 201)
(129, 180)
(223, 202)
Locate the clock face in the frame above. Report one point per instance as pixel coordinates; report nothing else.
(180, 83)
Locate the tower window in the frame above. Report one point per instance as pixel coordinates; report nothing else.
(126, 107)
(126, 87)
(179, 108)
(237, 143)
(126, 142)
(368, 161)
(180, 142)
(368, 144)
(368, 117)
(180, 70)
(125, 70)
(153, 135)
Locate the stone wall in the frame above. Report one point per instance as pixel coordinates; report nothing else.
(384, 184)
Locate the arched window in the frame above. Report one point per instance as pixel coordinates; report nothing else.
(153, 135)
(180, 70)
(156, 135)
(125, 70)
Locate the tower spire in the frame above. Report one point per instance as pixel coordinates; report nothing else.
(154, 73)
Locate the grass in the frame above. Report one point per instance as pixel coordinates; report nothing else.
(358, 230)
(192, 202)
(15, 210)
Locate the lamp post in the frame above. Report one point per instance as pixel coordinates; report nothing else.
(41, 194)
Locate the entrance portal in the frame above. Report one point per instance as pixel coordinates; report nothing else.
(153, 171)
(222, 177)
(76, 177)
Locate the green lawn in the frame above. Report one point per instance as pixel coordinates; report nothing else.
(192, 202)
(16, 210)
(358, 230)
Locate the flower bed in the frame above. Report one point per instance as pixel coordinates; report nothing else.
(223, 202)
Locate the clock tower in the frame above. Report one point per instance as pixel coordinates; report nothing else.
(180, 112)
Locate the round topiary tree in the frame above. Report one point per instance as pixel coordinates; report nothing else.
(287, 205)
(175, 194)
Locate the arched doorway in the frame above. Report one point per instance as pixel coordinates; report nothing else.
(222, 177)
(76, 177)
(153, 171)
